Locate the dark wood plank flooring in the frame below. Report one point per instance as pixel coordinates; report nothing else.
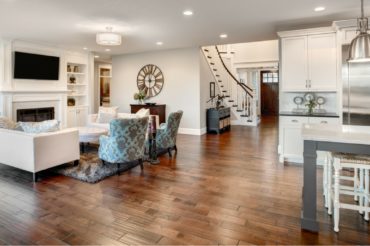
(219, 189)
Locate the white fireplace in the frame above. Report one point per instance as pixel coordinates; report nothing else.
(11, 102)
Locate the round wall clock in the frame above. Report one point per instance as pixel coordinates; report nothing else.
(150, 80)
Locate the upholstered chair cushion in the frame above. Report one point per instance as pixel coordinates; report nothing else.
(167, 133)
(126, 142)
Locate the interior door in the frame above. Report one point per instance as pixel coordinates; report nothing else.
(269, 93)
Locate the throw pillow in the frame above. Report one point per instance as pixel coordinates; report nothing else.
(40, 127)
(106, 117)
(105, 113)
(6, 123)
(143, 112)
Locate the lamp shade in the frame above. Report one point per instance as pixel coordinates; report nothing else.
(108, 38)
(360, 48)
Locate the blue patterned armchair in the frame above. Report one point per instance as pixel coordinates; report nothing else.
(167, 132)
(126, 142)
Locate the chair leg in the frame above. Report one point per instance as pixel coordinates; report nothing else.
(175, 148)
(336, 195)
(169, 152)
(118, 167)
(141, 163)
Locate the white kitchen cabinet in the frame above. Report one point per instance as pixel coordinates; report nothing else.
(290, 137)
(322, 62)
(294, 63)
(77, 116)
(309, 63)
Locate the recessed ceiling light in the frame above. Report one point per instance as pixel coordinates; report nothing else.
(320, 8)
(224, 35)
(107, 49)
(188, 12)
(159, 43)
(85, 48)
(96, 56)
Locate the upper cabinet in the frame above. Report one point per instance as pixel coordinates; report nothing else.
(309, 62)
(294, 63)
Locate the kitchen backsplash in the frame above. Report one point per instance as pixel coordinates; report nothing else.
(287, 103)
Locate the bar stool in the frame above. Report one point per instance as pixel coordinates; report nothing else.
(360, 165)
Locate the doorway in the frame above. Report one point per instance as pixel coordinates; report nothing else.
(269, 92)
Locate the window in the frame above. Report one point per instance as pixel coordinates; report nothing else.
(270, 76)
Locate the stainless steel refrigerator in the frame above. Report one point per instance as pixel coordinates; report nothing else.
(356, 91)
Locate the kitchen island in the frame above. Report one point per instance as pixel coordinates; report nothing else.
(333, 138)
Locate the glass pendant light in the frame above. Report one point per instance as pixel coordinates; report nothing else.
(360, 46)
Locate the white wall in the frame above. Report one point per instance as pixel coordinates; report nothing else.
(181, 90)
(256, 54)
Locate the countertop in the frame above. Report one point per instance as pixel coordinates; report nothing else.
(290, 113)
(337, 133)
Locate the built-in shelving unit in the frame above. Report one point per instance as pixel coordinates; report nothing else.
(77, 86)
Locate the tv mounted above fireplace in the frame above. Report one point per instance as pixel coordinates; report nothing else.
(34, 66)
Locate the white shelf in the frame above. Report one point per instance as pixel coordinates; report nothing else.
(77, 84)
(77, 95)
(109, 77)
(78, 106)
(73, 73)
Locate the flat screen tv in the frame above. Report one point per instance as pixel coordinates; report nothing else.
(33, 66)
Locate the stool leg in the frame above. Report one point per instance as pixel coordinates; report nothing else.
(355, 183)
(361, 190)
(329, 188)
(325, 180)
(336, 194)
(366, 193)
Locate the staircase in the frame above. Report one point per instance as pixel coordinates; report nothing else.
(239, 95)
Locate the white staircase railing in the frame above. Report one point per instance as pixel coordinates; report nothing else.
(240, 97)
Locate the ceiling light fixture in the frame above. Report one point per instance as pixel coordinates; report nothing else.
(359, 51)
(188, 13)
(159, 43)
(107, 50)
(96, 56)
(84, 48)
(108, 38)
(319, 8)
(224, 35)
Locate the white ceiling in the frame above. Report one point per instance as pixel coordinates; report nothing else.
(74, 23)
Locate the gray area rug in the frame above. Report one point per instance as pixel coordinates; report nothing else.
(91, 168)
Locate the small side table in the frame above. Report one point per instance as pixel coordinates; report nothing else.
(90, 135)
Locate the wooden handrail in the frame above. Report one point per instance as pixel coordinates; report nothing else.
(242, 85)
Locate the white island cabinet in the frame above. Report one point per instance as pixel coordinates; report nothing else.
(290, 136)
(309, 61)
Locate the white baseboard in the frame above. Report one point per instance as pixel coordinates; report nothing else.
(192, 131)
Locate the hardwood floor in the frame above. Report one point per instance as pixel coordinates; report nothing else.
(219, 189)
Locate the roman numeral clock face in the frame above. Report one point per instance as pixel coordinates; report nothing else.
(150, 80)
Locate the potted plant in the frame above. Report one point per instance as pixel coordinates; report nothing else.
(311, 104)
(140, 97)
